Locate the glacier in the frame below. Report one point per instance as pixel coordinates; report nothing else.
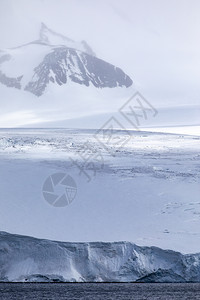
(28, 259)
(147, 193)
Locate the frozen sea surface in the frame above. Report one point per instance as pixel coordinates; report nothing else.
(99, 291)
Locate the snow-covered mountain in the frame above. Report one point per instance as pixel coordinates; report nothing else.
(24, 258)
(57, 59)
(58, 65)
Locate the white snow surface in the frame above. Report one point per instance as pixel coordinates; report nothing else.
(146, 192)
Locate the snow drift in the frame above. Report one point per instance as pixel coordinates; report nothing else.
(24, 258)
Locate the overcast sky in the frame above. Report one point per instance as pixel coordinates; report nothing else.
(156, 42)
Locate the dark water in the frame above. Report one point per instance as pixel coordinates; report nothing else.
(97, 291)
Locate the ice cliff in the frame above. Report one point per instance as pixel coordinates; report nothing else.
(24, 258)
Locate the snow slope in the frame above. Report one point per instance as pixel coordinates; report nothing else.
(24, 258)
(146, 193)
